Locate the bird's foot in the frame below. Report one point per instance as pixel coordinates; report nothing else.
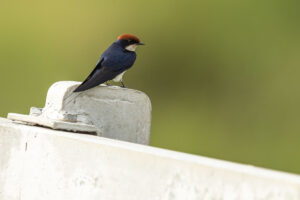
(123, 85)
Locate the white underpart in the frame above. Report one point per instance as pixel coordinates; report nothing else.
(119, 77)
(131, 47)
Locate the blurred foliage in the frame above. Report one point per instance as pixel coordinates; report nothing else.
(223, 76)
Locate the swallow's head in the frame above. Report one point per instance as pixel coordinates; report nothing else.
(129, 41)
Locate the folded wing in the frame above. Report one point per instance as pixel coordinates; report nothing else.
(99, 75)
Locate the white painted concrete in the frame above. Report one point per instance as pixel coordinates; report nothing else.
(43, 164)
(114, 112)
(54, 124)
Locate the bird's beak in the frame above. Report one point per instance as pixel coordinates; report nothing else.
(140, 43)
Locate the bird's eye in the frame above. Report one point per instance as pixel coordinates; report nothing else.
(130, 41)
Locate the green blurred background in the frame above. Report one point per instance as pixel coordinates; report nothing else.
(223, 76)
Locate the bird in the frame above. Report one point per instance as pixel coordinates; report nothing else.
(113, 63)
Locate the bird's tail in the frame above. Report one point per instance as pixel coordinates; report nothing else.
(71, 97)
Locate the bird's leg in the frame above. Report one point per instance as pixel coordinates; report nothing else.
(123, 85)
(107, 83)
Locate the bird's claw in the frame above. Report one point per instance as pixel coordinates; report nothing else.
(123, 85)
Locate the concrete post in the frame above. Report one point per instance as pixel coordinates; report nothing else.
(110, 111)
(41, 163)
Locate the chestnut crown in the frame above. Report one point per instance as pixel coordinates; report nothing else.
(131, 39)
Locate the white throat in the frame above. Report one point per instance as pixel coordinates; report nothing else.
(131, 47)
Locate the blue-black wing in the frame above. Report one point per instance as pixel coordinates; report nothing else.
(99, 75)
(112, 62)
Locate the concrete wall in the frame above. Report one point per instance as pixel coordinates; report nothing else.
(43, 164)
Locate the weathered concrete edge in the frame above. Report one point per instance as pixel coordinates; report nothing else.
(195, 159)
(54, 124)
